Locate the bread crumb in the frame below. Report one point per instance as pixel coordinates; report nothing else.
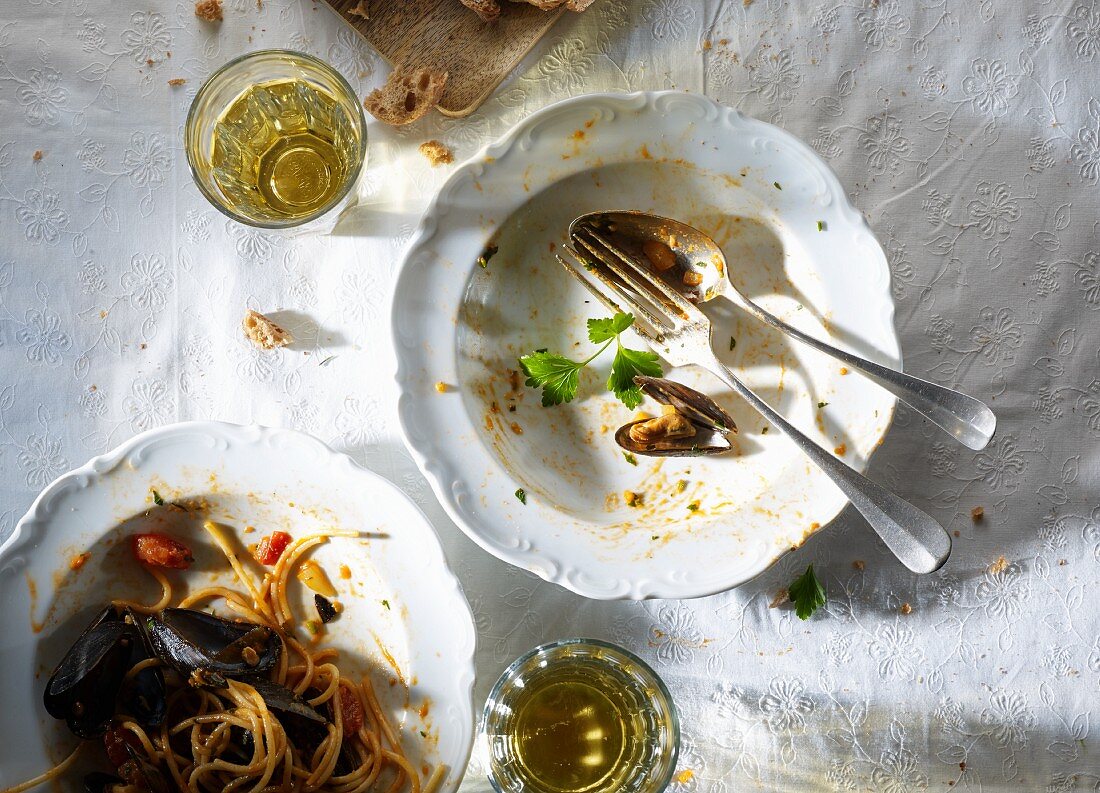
(906, 608)
(437, 153)
(844, 370)
(209, 10)
(177, 81)
(359, 10)
(746, 3)
(977, 514)
(859, 564)
(841, 450)
(37, 155)
(264, 333)
(441, 387)
(957, 533)
(781, 597)
(999, 565)
(1061, 562)
(815, 526)
(707, 44)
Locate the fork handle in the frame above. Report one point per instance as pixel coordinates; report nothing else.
(919, 542)
(968, 420)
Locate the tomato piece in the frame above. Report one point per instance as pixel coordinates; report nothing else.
(115, 741)
(271, 547)
(351, 712)
(161, 550)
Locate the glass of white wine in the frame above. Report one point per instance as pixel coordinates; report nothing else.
(579, 716)
(276, 139)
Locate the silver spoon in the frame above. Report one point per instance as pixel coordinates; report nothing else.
(967, 419)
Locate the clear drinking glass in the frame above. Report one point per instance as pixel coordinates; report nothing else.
(276, 139)
(579, 715)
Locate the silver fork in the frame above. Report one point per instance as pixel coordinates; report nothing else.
(681, 333)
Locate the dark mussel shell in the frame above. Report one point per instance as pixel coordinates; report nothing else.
(306, 731)
(144, 696)
(84, 687)
(99, 782)
(208, 649)
(140, 774)
(284, 700)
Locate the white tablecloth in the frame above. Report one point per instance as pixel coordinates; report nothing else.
(969, 134)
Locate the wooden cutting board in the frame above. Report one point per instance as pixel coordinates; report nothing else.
(445, 34)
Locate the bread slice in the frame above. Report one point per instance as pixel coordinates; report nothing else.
(486, 9)
(408, 94)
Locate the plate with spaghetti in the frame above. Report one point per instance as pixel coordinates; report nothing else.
(213, 607)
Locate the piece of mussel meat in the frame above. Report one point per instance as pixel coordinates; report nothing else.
(693, 424)
(206, 649)
(84, 687)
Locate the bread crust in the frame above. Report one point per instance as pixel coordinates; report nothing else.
(488, 10)
(408, 94)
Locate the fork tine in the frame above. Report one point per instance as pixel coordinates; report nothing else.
(659, 316)
(571, 268)
(672, 295)
(672, 316)
(657, 323)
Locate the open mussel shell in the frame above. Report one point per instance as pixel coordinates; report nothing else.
(208, 649)
(711, 422)
(84, 687)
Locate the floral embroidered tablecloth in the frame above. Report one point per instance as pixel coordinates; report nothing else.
(969, 134)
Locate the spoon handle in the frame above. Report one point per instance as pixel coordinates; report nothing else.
(968, 420)
(918, 541)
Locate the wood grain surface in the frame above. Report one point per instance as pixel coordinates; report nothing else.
(445, 34)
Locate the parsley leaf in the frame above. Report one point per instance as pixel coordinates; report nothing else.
(157, 499)
(601, 330)
(521, 494)
(807, 594)
(626, 365)
(557, 375)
